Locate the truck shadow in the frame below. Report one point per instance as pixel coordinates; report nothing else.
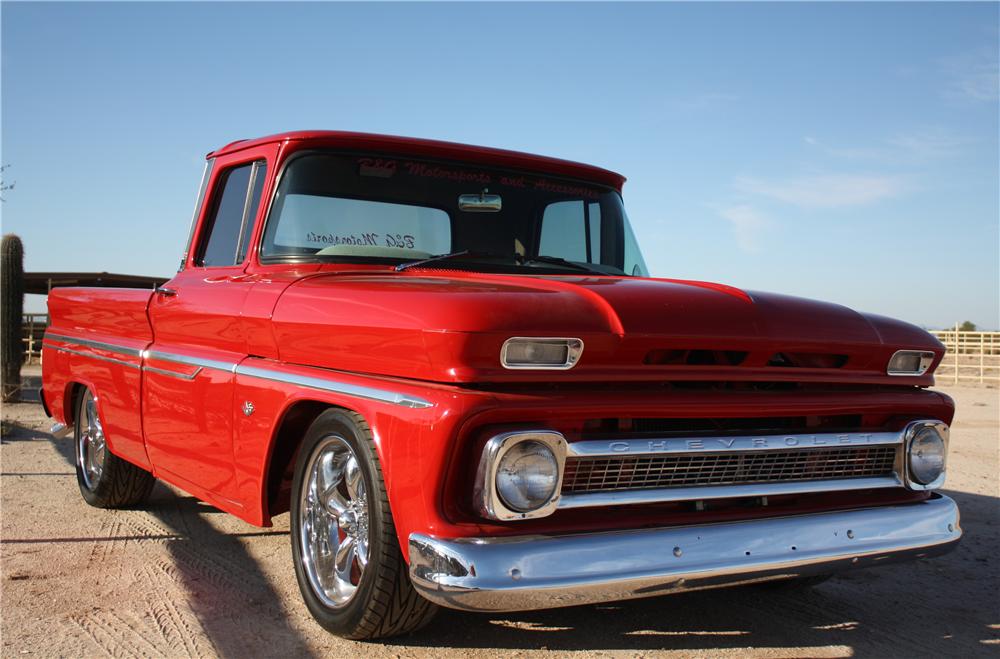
(223, 582)
(15, 432)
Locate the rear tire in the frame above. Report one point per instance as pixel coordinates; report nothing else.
(347, 560)
(105, 480)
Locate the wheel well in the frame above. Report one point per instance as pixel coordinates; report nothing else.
(287, 439)
(73, 392)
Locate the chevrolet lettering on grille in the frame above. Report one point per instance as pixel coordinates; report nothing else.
(713, 444)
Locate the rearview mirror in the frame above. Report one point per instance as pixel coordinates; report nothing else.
(479, 203)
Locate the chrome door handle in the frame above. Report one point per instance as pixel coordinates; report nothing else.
(168, 292)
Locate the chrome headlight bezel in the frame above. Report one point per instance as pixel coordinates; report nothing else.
(910, 434)
(925, 357)
(574, 349)
(487, 496)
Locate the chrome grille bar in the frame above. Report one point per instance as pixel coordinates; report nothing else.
(669, 495)
(633, 472)
(643, 470)
(636, 446)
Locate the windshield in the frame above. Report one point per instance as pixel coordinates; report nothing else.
(336, 207)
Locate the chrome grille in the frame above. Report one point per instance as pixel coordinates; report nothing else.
(605, 473)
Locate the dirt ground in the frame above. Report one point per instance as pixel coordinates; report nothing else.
(182, 579)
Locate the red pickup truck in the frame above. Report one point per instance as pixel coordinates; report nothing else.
(450, 365)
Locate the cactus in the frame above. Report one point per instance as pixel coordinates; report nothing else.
(11, 316)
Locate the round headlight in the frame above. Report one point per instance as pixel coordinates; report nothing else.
(527, 476)
(927, 454)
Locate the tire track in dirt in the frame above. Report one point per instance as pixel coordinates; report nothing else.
(103, 548)
(95, 633)
(190, 554)
(134, 630)
(186, 556)
(161, 622)
(106, 562)
(237, 590)
(115, 636)
(174, 625)
(227, 609)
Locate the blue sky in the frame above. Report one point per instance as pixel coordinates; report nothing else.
(846, 152)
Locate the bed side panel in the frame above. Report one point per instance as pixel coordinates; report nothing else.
(95, 338)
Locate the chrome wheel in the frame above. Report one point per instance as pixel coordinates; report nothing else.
(333, 522)
(90, 444)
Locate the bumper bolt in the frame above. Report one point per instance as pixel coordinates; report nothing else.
(677, 551)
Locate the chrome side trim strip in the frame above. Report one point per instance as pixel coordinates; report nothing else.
(173, 374)
(672, 494)
(337, 387)
(100, 345)
(174, 358)
(91, 355)
(539, 572)
(323, 384)
(657, 446)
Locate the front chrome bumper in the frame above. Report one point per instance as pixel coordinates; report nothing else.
(538, 572)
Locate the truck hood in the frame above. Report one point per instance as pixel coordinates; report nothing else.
(448, 326)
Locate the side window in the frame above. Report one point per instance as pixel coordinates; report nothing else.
(224, 241)
(572, 230)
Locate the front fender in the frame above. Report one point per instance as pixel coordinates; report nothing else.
(413, 425)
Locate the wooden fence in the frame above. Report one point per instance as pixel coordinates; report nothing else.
(972, 358)
(33, 327)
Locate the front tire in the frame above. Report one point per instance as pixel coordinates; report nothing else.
(105, 480)
(347, 559)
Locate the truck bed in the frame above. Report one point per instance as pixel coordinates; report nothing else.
(95, 338)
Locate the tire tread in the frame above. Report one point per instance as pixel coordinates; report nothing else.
(129, 485)
(122, 484)
(396, 607)
(386, 604)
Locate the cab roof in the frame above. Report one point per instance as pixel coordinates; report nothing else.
(433, 149)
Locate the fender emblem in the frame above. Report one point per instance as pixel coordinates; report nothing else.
(247, 408)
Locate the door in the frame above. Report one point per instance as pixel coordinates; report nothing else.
(188, 380)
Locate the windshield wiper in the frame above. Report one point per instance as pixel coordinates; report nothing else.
(555, 260)
(450, 255)
(516, 258)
